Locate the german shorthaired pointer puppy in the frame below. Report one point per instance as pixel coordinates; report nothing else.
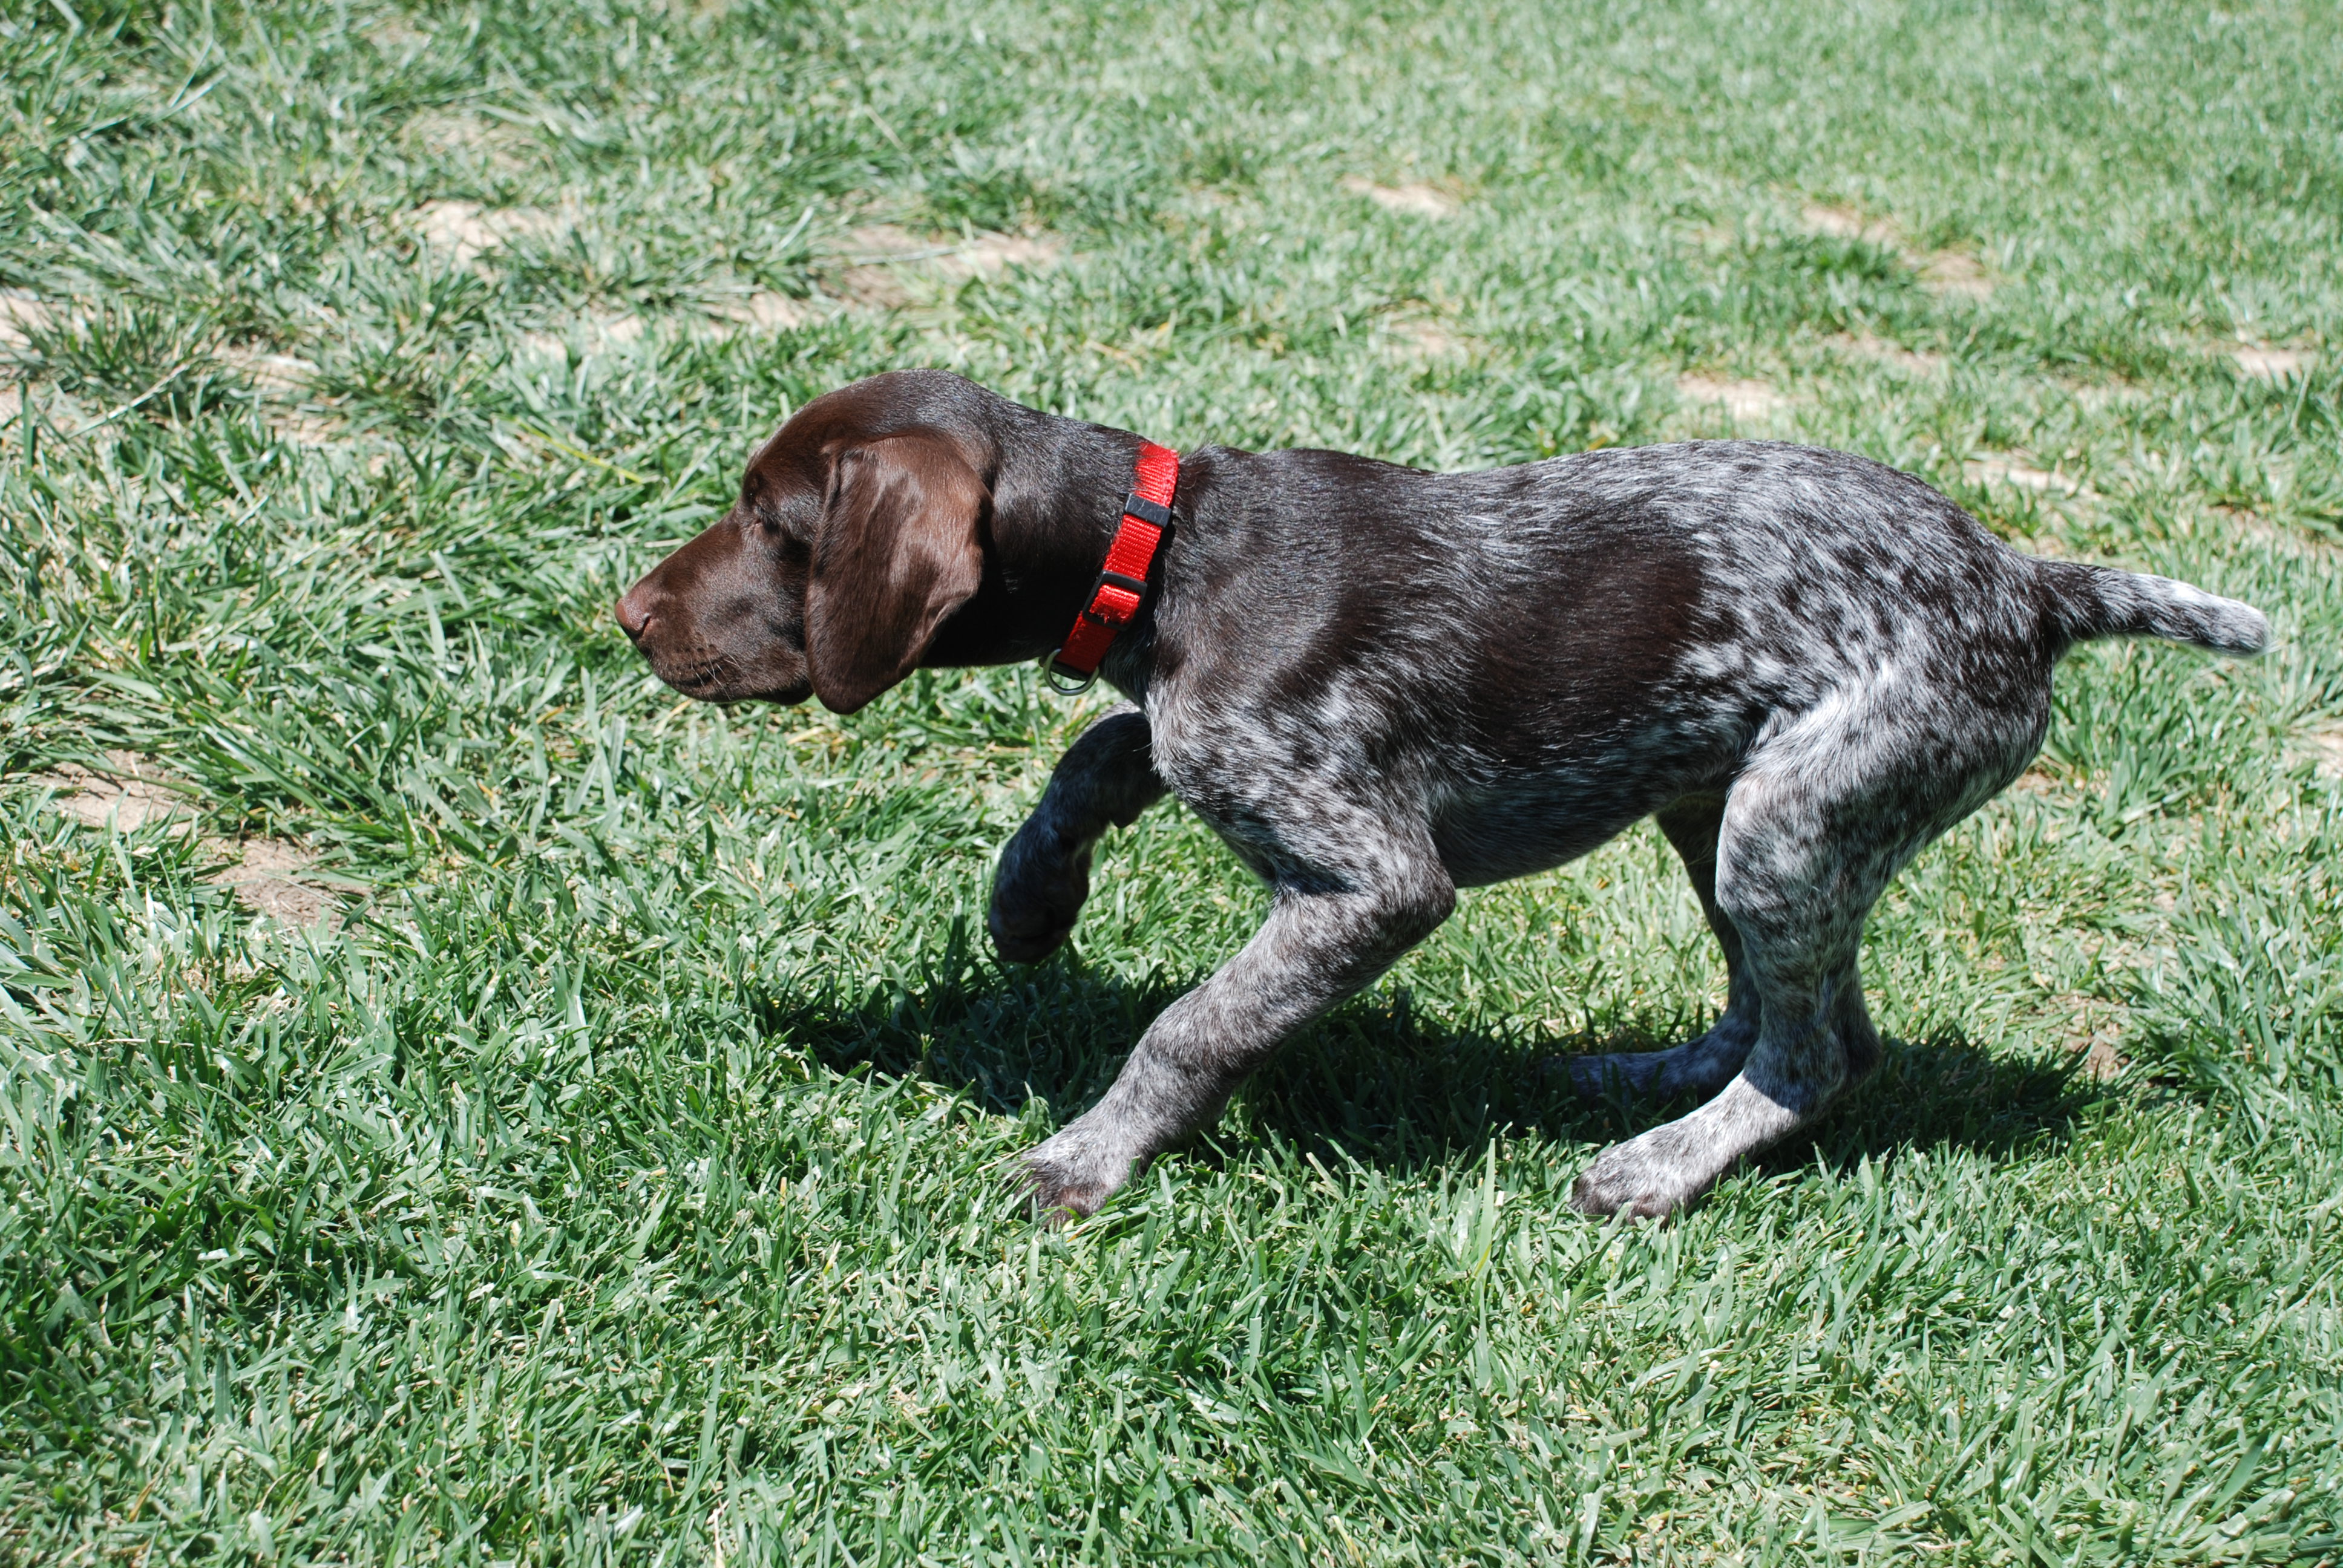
(1379, 685)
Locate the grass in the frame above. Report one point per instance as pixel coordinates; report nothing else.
(618, 1176)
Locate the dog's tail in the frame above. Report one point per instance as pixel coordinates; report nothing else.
(2086, 601)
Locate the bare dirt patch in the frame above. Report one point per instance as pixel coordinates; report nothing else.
(308, 428)
(1956, 273)
(883, 261)
(1846, 223)
(282, 378)
(396, 37)
(444, 132)
(21, 314)
(2286, 541)
(2272, 364)
(1421, 338)
(1742, 399)
(2325, 745)
(1870, 346)
(1414, 199)
(990, 255)
(876, 287)
(277, 373)
(2034, 781)
(130, 793)
(595, 333)
(2100, 396)
(2094, 1030)
(883, 242)
(1942, 272)
(268, 874)
(465, 230)
(2010, 468)
(767, 310)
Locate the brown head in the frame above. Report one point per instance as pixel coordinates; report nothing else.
(860, 528)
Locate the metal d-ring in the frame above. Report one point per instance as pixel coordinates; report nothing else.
(1053, 677)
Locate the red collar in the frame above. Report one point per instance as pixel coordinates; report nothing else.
(1121, 584)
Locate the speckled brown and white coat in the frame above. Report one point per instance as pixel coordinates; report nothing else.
(1379, 685)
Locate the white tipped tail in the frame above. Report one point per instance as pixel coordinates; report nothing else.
(2087, 601)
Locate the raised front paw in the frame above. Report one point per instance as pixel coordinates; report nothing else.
(1035, 899)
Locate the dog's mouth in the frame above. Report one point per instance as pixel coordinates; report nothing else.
(699, 675)
(718, 677)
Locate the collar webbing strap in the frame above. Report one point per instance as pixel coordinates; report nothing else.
(1122, 585)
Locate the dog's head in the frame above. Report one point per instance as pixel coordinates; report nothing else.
(856, 534)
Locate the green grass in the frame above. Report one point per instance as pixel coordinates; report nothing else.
(623, 1178)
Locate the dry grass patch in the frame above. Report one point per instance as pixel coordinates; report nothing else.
(1747, 401)
(2097, 396)
(594, 334)
(443, 133)
(767, 310)
(1870, 346)
(398, 37)
(282, 378)
(1414, 199)
(20, 315)
(1846, 223)
(2011, 468)
(2272, 364)
(465, 230)
(1942, 272)
(882, 261)
(1423, 337)
(990, 255)
(2325, 745)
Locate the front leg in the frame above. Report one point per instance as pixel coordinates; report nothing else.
(1319, 944)
(1105, 779)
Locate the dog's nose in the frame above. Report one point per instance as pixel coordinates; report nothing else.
(634, 612)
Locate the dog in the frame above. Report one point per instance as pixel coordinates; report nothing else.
(1379, 685)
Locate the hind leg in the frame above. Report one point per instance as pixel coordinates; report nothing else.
(1822, 816)
(1799, 933)
(1708, 1064)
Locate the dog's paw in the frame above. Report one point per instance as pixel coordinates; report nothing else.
(1023, 937)
(1068, 1178)
(1034, 906)
(1629, 1180)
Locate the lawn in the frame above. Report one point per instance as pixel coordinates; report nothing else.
(459, 1102)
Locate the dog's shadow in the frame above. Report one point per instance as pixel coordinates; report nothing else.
(1378, 1081)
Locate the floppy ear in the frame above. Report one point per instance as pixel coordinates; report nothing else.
(897, 552)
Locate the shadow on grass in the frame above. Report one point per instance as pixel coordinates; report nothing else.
(1377, 1082)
